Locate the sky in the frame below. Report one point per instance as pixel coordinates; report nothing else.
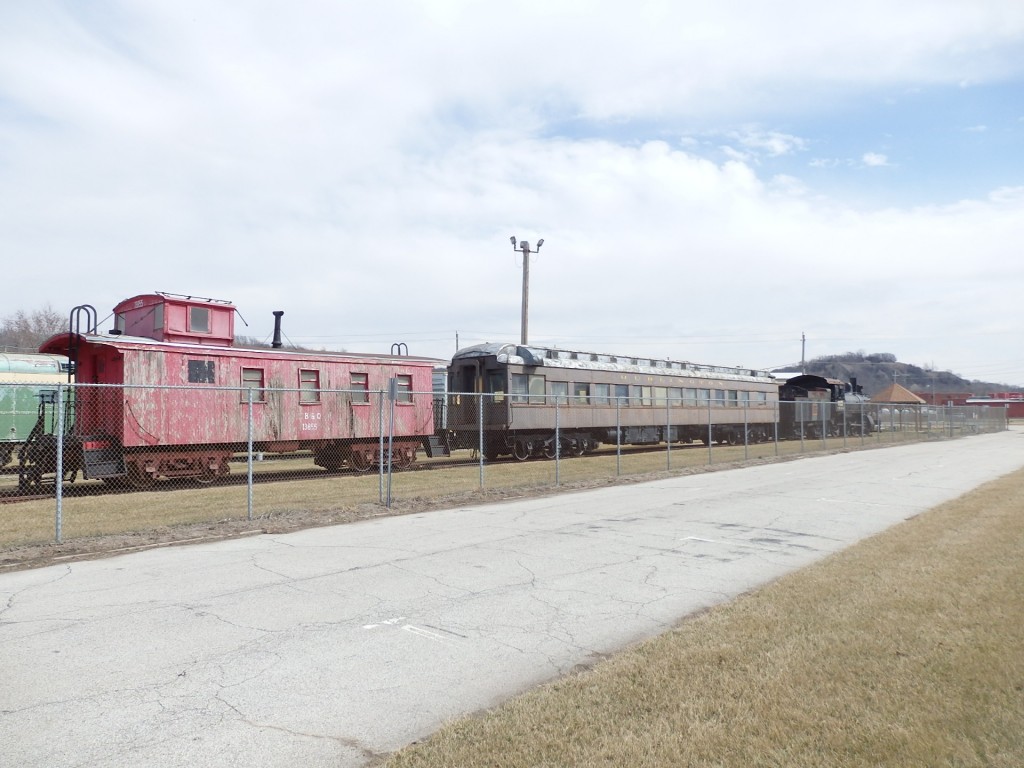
(730, 183)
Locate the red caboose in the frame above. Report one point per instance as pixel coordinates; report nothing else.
(176, 400)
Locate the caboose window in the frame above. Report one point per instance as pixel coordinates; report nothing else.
(199, 319)
(581, 393)
(601, 393)
(360, 386)
(309, 386)
(201, 372)
(403, 389)
(252, 378)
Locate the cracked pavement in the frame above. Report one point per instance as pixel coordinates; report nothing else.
(335, 646)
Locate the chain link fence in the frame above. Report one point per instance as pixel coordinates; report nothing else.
(136, 459)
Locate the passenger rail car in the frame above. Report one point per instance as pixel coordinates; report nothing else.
(145, 419)
(24, 379)
(597, 398)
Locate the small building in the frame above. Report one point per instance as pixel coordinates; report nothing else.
(945, 398)
(897, 393)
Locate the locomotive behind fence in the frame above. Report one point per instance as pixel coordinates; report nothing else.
(814, 407)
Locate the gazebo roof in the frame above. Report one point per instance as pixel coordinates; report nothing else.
(897, 394)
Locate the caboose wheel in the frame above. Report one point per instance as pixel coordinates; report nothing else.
(359, 461)
(521, 450)
(207, 477)
(139, 479)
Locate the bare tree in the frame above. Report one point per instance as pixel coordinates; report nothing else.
(25, 331)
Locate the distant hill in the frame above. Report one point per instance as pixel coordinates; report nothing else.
(874, 372)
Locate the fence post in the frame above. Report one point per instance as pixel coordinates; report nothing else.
(558, 444)
(480, 443)
(618, 436)
(392, 396)
(775, 426)
(668, 432)
(800, 410)
(248, 501)
(710, 441)
(380, 447)
(746, 429)
(58, 432)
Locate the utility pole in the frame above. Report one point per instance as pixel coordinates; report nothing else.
(803, 352)
(524, 247)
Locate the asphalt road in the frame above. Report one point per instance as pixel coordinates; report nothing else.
(332, 646)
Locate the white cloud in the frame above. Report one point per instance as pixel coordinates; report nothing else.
(361, 166)
(772, 143)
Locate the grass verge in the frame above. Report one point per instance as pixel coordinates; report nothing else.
(904, 650)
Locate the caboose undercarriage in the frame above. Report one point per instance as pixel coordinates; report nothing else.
(100, 457)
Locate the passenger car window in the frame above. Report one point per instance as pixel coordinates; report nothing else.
(537, 393)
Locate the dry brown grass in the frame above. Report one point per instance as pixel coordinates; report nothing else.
(905, 650)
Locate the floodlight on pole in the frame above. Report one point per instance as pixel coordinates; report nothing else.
(524, 248)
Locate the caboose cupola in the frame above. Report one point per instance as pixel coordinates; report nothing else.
(174, 317)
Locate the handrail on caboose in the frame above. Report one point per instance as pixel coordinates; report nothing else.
(74, 331)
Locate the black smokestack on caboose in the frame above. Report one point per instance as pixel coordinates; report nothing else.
(276, 343)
